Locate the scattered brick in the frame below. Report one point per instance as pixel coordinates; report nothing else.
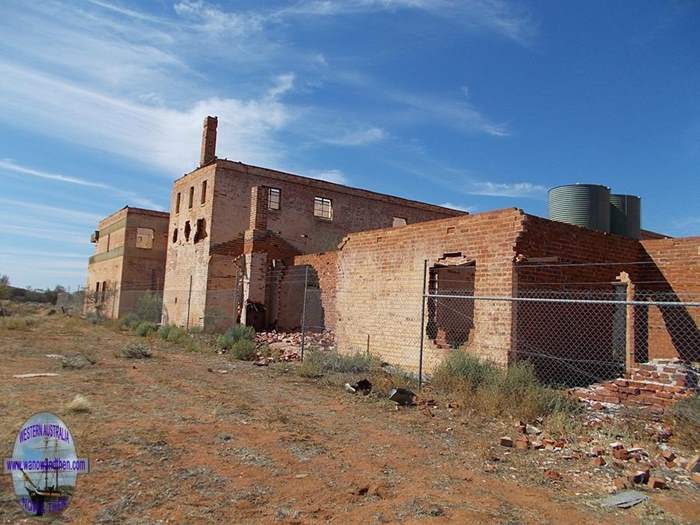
(506, 442)
(657, 483)
(553, 475)
(598, 461)
(522, 443)
(621, 453)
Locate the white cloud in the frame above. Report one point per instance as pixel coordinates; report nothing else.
(134, 198)
(452, 206)
(211, 19)
(9, 165)
(511, 189)
(58, 213)
(332, 175)
(496, 16)
(159, 136)
(358, 138)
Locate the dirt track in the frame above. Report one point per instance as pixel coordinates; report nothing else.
(171, 441)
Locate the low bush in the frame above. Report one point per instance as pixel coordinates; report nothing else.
(145, 328)
(244, 350)
(172, 333)
(317, 363)
(685, 417)
(79, 404)
(514, 391)
(233, 335)
(18, 323)
(130, 320)
(135, 351)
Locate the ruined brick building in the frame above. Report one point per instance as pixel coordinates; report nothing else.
(235, 229)
(129, 260)
(243, 243)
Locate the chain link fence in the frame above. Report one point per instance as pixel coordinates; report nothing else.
(572, 336)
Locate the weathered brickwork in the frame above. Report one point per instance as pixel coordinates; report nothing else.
(321, 309)
(201, 275)
(380, 285)
(674, 276)
(129, 260)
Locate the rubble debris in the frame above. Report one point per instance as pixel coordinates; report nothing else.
(553, 475)
(656, 482)
(624, 499)
(324, 340)
(522, 443)
(655, 385)
(402, 396)
(694, 464)
(598, 461)
(506, 441)
(363, 386)
(639, 477)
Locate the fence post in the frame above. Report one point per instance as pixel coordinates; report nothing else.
(422, 325)
(189, 300)
(303, 311)
(630, 344)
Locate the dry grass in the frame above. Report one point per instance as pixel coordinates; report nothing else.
(19, 323)
(495, 391)
(685, 418)
(335, 369)
(79, 404)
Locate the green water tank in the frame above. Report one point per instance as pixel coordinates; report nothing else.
(586, 205)
(625, 215)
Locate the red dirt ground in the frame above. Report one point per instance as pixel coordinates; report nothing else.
(171, 442)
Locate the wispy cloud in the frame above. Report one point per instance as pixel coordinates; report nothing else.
(510, 189)
(358, 138)
(496, 16)
(332, 175)
(459, 207)
(9, 165)
(56, 212)
(163, 137)
(135, 198)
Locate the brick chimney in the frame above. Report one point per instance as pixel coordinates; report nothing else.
(208, 141)
(258, 207)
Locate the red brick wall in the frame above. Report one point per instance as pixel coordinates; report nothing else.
(380, 285)
(568, 342)
(674, 276)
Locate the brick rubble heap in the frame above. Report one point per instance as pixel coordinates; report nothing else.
(656, 385)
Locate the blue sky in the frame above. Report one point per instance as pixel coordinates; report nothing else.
(477, 104)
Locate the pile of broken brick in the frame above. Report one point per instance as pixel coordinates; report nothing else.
(626, 467)
(286, 346)
(655, 385)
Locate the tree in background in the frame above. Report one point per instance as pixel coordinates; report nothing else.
(4, 287)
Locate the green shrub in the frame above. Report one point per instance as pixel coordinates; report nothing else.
(237, 332)
(149, 307)
(130, 320)
(175, 334)
(163, 331)
(244, 350)
(463, 371)
(135, 351)
(317, 363)
(513, 391)
(18, 323)
(145, 328)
